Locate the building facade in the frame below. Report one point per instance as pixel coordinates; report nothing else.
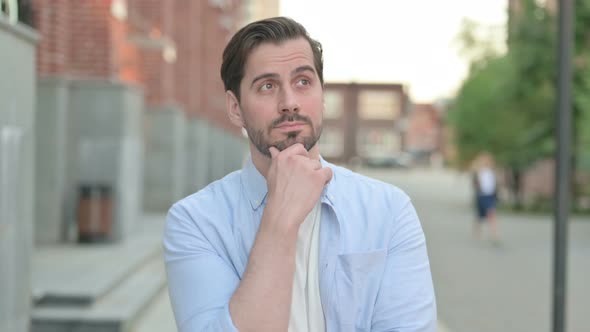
(364, 121)
(424, 136)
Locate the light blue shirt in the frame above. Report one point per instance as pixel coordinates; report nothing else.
(374, 272)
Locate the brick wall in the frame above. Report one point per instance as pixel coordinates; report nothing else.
(187, 35)
(53, 24)
(215, 36)
(423, 130)
(151, 23)
(84, 39)
(199, 35)
(538, 180)
(91, 48)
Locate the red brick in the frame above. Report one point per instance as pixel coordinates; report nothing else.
(83, 39)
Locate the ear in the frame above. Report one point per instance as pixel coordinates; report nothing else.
(233, 109)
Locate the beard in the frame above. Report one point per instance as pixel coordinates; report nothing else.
(262, 143)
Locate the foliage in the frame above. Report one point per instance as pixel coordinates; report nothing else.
(505, 105)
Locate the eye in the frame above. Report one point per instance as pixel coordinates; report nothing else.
(303, 81)
(266, 86)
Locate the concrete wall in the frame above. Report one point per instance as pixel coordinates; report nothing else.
(226, 153)
(211, 152)
(234, 152)
(51, 155)
(165, 139)
(105, 146)
(17, 138)
(93, 132)
(197, 152)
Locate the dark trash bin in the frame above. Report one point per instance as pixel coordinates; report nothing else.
(95, 213)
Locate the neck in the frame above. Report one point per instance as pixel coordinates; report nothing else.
(262, 162)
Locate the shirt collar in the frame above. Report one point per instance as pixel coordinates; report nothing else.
(328, 193)
(255, 188)
(254, 184)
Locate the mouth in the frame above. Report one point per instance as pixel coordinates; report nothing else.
(291, 126)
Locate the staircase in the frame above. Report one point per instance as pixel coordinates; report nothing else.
(99, 287)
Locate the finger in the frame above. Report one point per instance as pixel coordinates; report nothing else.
(296, 149)
(326, 173)
(306, 161)
(315, 164)
(274, 152)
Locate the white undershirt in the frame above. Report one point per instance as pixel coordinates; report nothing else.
(306, 306)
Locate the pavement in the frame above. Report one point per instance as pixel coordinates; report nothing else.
(158, 317)
(481, 287)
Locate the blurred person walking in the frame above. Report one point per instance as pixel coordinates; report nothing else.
(485, 190)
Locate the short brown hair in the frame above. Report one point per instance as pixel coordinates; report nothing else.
(274, 30)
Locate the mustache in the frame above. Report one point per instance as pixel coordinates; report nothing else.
(289, 118)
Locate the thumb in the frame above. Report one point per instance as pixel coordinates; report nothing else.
(274, 152)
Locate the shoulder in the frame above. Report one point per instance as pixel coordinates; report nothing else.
(364, 188)
(215, 191)
(371, 213)
(215, 199)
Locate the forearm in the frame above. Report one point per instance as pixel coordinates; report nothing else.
(262, 302)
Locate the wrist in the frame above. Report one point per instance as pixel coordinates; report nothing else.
(280, 221)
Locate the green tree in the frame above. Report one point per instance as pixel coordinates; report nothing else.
(505, 107)
(514, 93)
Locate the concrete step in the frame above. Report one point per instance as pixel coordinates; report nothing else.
(74, 275)
(115, 311)
(98, 287)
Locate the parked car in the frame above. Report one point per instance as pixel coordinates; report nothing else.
(402, 160)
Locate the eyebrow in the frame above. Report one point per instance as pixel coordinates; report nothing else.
(275, 75)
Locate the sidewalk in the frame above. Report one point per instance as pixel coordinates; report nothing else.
(484, 288)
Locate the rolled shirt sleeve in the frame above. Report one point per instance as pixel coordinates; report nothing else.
(200, 282)
(406, 300)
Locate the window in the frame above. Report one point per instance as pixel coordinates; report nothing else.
(332, 142)
(334, 101)
(379, 105)
(17, 10)
(378, 142)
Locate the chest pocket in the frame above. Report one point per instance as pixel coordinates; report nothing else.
(357, 280)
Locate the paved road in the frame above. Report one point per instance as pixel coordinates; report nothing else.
(482, 288)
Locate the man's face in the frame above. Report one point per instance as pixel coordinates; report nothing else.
(281, 96)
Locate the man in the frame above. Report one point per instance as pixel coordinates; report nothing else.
(291, 242)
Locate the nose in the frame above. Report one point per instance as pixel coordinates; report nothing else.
(288, 101)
